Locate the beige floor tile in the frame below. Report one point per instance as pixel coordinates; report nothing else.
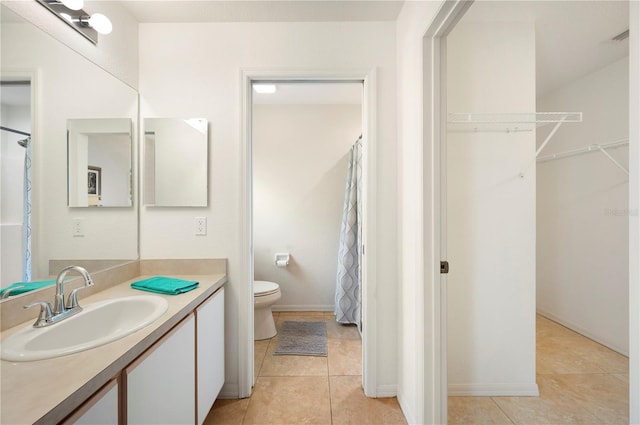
(624, 377)
(289, 400)
(604, 396)
(475, 410)
(349, 405)
(292, 365)
(259, 352)
(553, 407)
(344, 357)
(337, 330)
(554, 358)
(227, 412)
(608, 360)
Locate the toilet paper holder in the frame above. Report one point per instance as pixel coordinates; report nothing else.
(282, 259)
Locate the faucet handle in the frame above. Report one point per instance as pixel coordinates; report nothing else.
(45, 313)
(72, 301)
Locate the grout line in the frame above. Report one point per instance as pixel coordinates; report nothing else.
(330, 402)
(502, 410)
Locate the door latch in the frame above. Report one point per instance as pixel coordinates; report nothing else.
(444, 267)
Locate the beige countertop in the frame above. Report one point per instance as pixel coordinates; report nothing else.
(46, 391)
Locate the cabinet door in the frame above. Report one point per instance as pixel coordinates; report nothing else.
(100, 409)
(210, 348)
(160, 386)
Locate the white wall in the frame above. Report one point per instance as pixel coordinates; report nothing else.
(416, 342)
(195, 70)
(582, 214)
(491, 214)
(12, 190)
(109, 233)
(117, 53)
(300, 159)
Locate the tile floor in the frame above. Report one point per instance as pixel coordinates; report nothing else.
(308, 390)
(580, 382)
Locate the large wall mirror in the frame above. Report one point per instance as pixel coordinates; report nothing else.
(175, 162)
(63, 86)
(99, 162)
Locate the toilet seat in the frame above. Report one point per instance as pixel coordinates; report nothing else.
(262, 288)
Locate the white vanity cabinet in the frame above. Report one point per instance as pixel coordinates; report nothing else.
(101, 408)
(210, 352)
(160, 385)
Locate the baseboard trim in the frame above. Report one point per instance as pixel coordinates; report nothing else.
(229, 391)
(277, 308)
(502, 390)
(406, 411)
(386, 391)
(581, 331)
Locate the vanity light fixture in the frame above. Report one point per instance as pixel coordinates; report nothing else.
(265, 88)
(70, 11)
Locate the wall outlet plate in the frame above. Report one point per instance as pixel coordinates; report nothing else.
(201, 226)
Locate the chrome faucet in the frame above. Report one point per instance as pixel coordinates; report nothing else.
(60, 311)
(7, 293)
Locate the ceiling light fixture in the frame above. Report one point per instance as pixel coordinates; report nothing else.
(70, 11)
(73, 4)
(265, 88)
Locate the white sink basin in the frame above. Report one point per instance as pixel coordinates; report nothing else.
(97, 324)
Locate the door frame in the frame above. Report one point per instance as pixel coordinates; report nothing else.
(368, 269)
(434, 195)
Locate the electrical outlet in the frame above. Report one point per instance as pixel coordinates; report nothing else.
(77, 227)
(201, 226)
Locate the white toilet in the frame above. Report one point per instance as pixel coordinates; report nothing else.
(265, 294)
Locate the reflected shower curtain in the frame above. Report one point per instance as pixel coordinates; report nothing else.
(347, 303)
(26, 221)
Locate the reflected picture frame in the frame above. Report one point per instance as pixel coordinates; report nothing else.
(94, 180)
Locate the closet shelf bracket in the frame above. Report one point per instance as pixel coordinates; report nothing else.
(591, 148)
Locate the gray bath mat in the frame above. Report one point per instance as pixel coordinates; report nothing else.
(302, 339)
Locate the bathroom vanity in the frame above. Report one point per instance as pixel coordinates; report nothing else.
(170, 371)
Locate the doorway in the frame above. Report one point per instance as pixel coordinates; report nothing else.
(435, 56)
(16, 179)
(368, 276)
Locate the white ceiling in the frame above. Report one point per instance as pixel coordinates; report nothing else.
(573, 38)
(149, 11)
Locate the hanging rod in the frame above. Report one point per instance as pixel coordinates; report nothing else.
(537, 118)
(591, 148)
(11, 130)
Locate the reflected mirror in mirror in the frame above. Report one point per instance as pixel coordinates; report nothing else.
(175, 162)
(99, 162)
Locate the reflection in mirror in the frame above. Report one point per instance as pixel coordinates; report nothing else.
(175, 162)
(54, 72)
(99, 162)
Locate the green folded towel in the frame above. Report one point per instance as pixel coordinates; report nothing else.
(165, 285)
(22, 287)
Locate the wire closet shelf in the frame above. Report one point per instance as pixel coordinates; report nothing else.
(508, 122)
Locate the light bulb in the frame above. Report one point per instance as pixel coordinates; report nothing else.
(265, 88)
(100, 23)
(73, 4)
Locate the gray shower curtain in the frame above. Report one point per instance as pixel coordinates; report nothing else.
(26, 221)
(347, 303)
